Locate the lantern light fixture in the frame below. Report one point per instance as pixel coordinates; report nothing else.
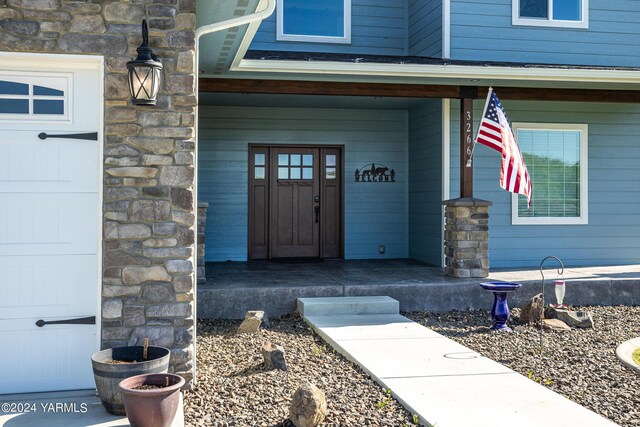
(144, 73)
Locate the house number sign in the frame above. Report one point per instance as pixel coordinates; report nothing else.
(466, 147)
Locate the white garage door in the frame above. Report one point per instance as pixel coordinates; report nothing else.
(50, 175)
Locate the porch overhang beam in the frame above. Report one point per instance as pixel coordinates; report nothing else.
(397, 90)
(303, 87)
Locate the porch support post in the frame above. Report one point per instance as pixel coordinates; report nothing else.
(466, 232)
(466, 237)
(467, 95)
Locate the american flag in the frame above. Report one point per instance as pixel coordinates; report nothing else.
(495, 132)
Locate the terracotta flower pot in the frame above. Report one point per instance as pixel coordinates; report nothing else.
(154, 407)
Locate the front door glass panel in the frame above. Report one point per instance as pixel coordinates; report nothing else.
(295, 166)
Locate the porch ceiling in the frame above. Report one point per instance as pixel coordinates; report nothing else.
(220, 47)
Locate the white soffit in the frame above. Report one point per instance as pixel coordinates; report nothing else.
(444, 72)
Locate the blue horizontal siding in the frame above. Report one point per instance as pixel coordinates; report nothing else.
(425, 28)
(425, 182)
(377, 136)
(483, 31)
(612, 235)
(378, 27)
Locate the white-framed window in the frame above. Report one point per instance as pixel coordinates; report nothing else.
(325, 21)
(557, 161)
(551, 13)
(35, 97)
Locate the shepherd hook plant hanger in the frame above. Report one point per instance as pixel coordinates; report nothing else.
(560, 273)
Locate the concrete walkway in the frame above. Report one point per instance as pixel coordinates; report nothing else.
(445, 383)
(80, 408)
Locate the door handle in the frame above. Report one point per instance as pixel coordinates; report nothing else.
(79, 321)
(317, 211)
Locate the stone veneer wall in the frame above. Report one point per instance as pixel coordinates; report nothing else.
(148, 275)
(466, 237)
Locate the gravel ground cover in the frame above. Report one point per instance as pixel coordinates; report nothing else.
(234, 390)
(580, 364)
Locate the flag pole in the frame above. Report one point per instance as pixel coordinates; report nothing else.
(475, 140)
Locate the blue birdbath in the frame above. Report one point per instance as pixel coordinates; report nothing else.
(500, 309)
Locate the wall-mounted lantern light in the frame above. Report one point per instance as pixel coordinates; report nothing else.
(144, 73)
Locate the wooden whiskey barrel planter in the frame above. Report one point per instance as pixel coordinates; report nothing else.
(107, 375)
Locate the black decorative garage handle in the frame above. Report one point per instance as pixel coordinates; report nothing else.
(79, 321)
(90, 136)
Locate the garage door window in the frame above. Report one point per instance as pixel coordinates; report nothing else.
(34, 98)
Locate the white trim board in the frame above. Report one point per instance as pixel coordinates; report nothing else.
(20, 60)
(583, 219)
(281, 36)
(444, 71)
(549, 22)
(446, 163)
(446, 29)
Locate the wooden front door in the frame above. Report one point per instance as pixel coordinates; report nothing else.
(295, 202)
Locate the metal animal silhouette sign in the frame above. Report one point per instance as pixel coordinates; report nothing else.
(375, 173)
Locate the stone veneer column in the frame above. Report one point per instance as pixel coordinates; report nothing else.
(202, 221)
(149, 214)
(466, 237)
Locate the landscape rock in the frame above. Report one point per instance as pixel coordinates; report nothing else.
(265, 322)
(251, 322)
(578, 319)
(555, 325)
(531, 310)
(273, 357)
(308, 406)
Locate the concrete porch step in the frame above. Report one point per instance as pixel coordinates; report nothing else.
(336, 306)
(234, 288)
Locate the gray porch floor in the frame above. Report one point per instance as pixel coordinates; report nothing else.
(232, 288)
